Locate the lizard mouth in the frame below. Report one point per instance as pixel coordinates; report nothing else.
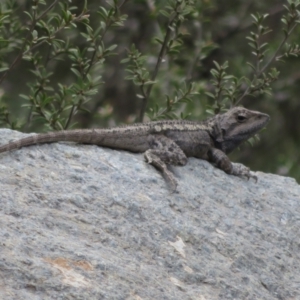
(231, 141)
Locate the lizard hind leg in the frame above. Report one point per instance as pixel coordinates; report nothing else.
(164, 151)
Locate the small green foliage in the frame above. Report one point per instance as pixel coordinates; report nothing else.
(6, 120)
(176, 12)
(53, 103)
(169, 110)
(228, 88)
(221, 92)
(137, 71)
(44, 38)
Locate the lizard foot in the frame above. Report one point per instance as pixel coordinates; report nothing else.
(154, 160)
(242, 171)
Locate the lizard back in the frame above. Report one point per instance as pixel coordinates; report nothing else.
(133, 138)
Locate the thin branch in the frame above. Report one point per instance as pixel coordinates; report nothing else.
(262, 70)
(278, 50)
(46, 11)
(158, 63)
(70, 117)
(76, 19)
(242, 26)
(20, 55)
(193, 62)
(101, 39)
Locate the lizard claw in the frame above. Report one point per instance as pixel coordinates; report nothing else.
(242, 171)
(249, 175)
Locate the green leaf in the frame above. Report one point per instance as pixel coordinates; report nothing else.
(112, 47)
(76, 72)
(4, 69)
(217, 65)
(210, 95)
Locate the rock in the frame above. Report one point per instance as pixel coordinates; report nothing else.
(85, 222)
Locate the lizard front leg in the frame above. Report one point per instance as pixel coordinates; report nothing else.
(221, 160)
(164, 151)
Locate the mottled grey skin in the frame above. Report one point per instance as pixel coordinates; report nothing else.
(169, 142)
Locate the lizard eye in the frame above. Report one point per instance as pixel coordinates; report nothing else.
(241, 118)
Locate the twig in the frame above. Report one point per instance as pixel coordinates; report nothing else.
(70, 117)
(261, 71)
(101, 39)
(20, 55)
(158, 63)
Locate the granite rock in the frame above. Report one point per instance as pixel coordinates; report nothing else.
(85, 222)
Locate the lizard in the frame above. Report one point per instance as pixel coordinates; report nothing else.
(169, 142)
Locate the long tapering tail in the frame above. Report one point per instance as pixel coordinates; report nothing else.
(81, 136)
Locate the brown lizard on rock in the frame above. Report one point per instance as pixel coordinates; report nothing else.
(169, 142)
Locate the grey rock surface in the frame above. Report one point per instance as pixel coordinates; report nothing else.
(84, 222)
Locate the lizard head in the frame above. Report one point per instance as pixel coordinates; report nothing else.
(238, 125)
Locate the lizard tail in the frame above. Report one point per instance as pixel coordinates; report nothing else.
(81, 136)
